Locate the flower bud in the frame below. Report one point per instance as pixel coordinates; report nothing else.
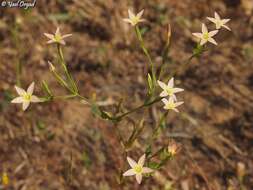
(5, 179)
(240, 170)
(51, 66)
(173, 148)
(168, 34)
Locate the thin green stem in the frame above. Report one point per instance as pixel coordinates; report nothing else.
(145, 50)
(62, 82)
(157, 152)
(18, 72)
(154, 135)
(65, 97)
(69, 77)
(14, 32)
(84, 99)
(138, 108)
(181, 67)
(164, 56)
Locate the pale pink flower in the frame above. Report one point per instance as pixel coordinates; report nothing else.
(219, 23)
(57, 37)
(169, 89)
(134, 19)
(206, 36)
(25, 97)
(137, 168)
(171, 104)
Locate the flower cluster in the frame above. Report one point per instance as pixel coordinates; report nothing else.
(169, 91)
(207, 36)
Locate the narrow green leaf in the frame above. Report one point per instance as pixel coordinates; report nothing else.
(150, 84)
(46, 88)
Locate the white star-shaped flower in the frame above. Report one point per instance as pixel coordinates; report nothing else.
(134, 19)
(171, 104)
(25, 97)
(169, 89)
(219, 22)
(137, 169)
(57, 37)
(206, 36)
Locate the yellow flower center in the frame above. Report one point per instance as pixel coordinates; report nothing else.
(138, 169)
(57, 38)
(170, 106)
(135, 20)
(206, 36)
(219, 24)
(27, 97)
(170, 91)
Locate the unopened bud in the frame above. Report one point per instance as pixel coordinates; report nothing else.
(51, 66)
(168, 33)
(240, 170)
(5, 179)
(173, 148)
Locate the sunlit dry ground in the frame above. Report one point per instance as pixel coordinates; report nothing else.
(60, 145)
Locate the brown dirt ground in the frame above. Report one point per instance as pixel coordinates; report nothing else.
(216, 124)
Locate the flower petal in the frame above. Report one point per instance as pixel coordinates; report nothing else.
(171, 100)
(212, 19)
(165, 107)
(35, 99)
(226, 27)
(213, 33)
(30, 88)
(142, 20)
(162, 84)
(202, 42)
(127, 20)
(66, 36)
(216, 15)
(17, 100)
(178, 103)
(164, 94)
(138, 178)
(131, 162)
(62, 42)
(50, 36)
(174, 97)
(224, 21)
(165, 101)
(198, 35)
(204, 28)
(176, 90)
(141, 161)
(20, 91)
(176, 110)
(212, 41)
(171, 83)
(147, 170)
(58, 31)
(139, 15)
(129, 172)
(25, 105)
(51, 41)
(130, 14)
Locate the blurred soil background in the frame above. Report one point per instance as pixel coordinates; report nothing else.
(61, 146)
